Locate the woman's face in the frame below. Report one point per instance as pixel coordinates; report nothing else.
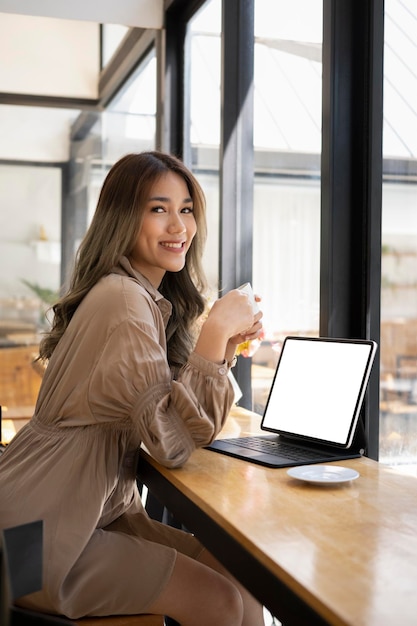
(167, 230)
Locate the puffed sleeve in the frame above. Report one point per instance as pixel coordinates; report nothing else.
(132, 381)
(190, 415)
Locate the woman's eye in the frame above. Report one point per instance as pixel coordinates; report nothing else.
(187, 209)
(157, 209)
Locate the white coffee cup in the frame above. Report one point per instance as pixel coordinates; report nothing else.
(247, 288)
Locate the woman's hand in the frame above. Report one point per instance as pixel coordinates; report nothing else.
(234, 313)
(230, 322)
(251, 333)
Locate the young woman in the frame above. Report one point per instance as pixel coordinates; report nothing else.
(124, 369)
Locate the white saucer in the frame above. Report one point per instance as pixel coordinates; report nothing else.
(323, 474)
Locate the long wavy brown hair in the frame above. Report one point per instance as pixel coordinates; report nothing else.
(112, 234)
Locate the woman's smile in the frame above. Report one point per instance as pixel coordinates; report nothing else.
(175, 246)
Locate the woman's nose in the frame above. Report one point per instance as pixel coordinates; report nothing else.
(176, 225)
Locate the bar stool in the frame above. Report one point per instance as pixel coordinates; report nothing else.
(21, 574)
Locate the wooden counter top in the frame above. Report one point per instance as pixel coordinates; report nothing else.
(347, 551)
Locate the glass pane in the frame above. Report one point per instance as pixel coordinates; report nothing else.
(127, 125)
(129, 122)
(30, 234)
(398, 415)
(202, 122)
(287, 138)
(31, 248)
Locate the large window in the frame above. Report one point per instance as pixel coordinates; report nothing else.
(398, 417)
(291, 175)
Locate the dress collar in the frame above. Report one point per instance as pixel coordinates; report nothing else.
(124, 268)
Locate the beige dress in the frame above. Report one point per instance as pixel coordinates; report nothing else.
(106, 390)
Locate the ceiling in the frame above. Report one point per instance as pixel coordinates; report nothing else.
(139, 13)
(32, 133)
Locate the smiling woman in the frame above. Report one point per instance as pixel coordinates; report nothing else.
(125, 367)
